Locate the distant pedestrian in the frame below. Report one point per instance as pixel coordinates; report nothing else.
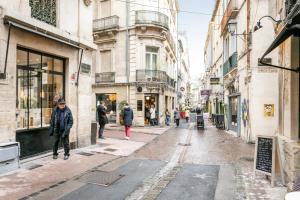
(60, 126)
(168, 117)
(102, 118)
(147, 115)
(177, 117)
(152, 115)
(128, 118)
(187, 115)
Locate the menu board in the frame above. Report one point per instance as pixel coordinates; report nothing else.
(264, 154)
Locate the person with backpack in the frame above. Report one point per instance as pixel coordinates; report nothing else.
(127, 118)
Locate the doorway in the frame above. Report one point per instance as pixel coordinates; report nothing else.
(150, 99)
(234, 114)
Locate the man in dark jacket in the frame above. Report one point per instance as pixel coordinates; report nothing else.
(128, 118)
(60, 126)
(102, 118)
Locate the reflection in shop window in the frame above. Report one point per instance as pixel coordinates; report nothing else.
(40, 79)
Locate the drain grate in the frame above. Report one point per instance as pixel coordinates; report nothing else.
(100, 178)
(184, 144)
(34, 166)
(110, 149)
(248, 159)
(84, 154)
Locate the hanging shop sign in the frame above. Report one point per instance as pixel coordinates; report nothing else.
(215, 81)
(205, 92)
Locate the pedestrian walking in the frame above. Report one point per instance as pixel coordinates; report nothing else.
(187, 115)
(152, 115)
(128, 118)
(102, 118)
(177, 117)
(147, 115)
(168, 117)
(60, 126)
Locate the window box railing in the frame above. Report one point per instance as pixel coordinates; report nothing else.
(230, 64)
(105, 77)
(44, 11)
(106, 23)
(152, 17)
(154, 76)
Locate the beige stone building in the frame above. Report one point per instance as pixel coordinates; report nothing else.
(46, 50)
(136, 60)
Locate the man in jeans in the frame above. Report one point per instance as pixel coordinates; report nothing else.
(60, 126)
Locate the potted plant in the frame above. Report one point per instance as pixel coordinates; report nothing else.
(121, 109)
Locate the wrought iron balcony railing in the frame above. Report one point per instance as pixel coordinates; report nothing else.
(105, 77)
(230, 64)
(44, 11)
(289, 5)
(106, 23)
(154, 76)
(152, 17)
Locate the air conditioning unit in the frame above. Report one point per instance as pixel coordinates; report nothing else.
(9, 157)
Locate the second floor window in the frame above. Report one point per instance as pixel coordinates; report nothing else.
(105, 57)
(44, 10)
(152, 58)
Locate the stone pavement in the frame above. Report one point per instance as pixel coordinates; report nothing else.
(43, 173)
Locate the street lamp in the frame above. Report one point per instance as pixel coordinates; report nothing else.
(259, 26)
(231, 26)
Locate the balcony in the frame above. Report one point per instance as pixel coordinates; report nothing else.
(105, 77)
(230, 13)
(144, 17)
(106, 23)
(154, 76)
(230, 64)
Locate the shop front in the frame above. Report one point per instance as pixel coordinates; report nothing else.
(151, 100)
(40, 78)
(110, 101)
(234, 113)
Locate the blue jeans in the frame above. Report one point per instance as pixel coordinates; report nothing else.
(168, 119)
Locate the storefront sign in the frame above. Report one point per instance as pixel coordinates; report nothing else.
(269, 110)
(205, 92)
(85, 68)
(214, 81)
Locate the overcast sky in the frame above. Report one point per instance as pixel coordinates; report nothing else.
(195, 25)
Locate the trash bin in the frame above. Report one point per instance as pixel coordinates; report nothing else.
(94, 133)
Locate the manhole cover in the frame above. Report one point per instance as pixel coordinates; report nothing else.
(84, 154)
(184, 144)
(34, 166)
(100, 178)
(110, 149)
(248, 159)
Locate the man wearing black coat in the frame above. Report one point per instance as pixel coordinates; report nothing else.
(102, 118)
(60, 126)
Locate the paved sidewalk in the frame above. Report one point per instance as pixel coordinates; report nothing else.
(44, 173)
(155, 130)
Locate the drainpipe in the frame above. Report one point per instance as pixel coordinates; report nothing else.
(248, 139)
(127, 48)
(77, 83)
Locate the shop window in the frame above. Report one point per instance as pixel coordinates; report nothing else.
(139, 105)
(234, 110)
(110, 101)
(38, 83)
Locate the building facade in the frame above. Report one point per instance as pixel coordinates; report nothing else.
(46, 51)
(136, 60)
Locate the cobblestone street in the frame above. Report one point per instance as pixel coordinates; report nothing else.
(182, 163)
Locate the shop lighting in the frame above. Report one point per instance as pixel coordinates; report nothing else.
(259, 26)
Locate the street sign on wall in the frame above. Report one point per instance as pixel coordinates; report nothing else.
(214, 81)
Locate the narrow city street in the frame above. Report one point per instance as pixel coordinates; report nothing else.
(182, 163)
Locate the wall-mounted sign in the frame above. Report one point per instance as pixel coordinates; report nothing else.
(205, 92)
(182, 89)
(265, 60)
(269, 110)
(85, 68)
(214, 81)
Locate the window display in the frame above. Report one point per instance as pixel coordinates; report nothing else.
(40, 79)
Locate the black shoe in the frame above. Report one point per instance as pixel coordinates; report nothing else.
(55, 157)
(102, 137)
(66, 157)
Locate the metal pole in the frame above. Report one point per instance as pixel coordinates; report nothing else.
(3, 75)
(127, 48)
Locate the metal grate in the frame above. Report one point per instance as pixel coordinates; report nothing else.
(248, 159)
(110, 149)
(184, 144)
(296, 186)
(84, 154)
(100, 178)
(34, 166)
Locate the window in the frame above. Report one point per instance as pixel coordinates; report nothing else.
(152, 58)
(139, 105)
(105, 8)
(40, 80)
(110, 101)
(44, 10)
(105, 61)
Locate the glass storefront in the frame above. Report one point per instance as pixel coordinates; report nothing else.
(40, 79)
(110, 101)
